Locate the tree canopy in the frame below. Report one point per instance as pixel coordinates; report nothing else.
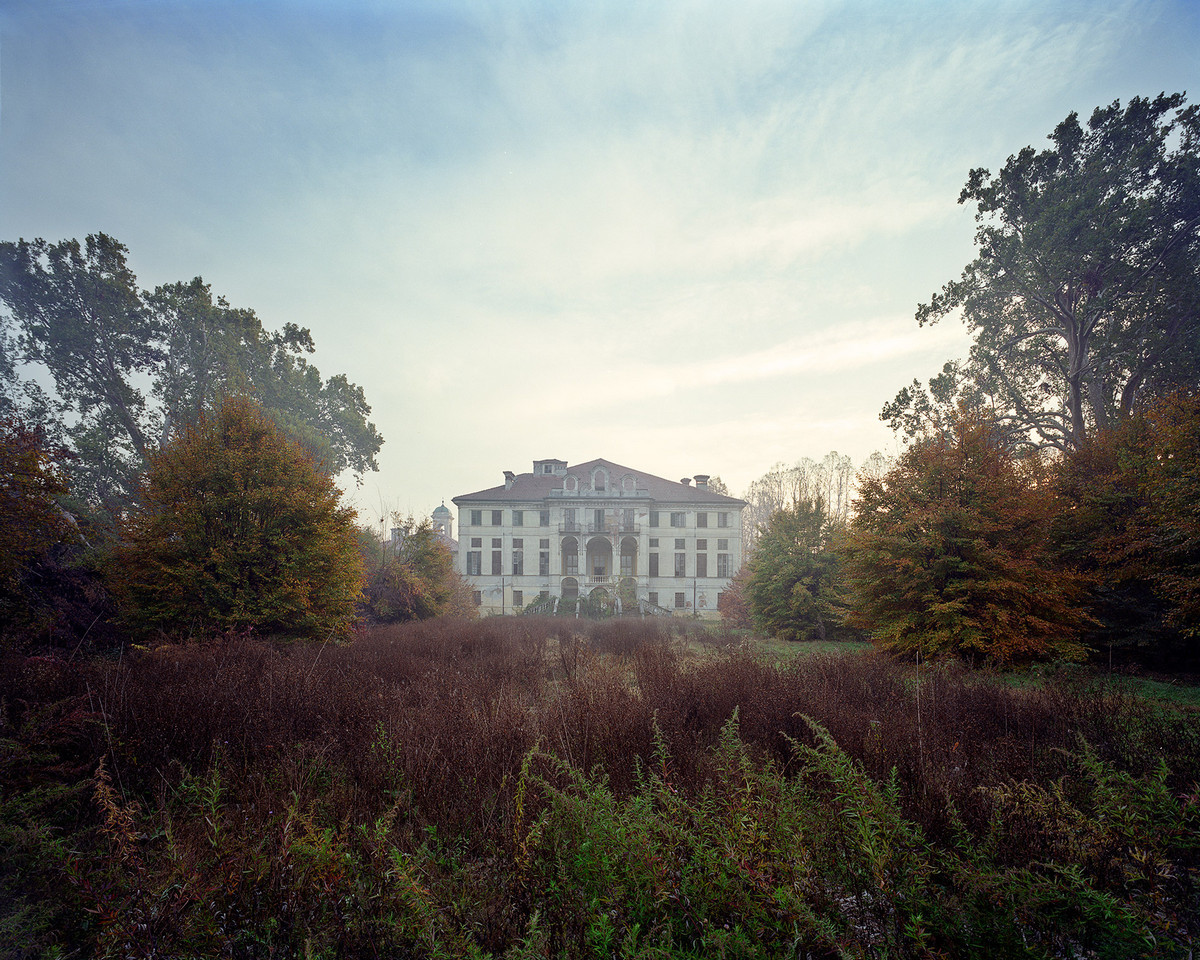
(235, 527)
(35, 529)
(131, 368)
(1084, 297)
(791, 587)
(948, 554)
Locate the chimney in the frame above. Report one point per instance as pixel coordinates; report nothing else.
(509, 478)
(686, 481)
(702, 481)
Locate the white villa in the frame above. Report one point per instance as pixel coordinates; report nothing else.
(598, 529)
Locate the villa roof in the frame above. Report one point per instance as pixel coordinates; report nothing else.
(531, 486)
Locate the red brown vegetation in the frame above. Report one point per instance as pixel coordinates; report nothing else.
(432, 788)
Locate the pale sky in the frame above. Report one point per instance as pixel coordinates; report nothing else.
(687, 237)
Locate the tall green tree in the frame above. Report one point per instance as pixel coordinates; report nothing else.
(792, 583)
(948, 554)
(236, 527)
(131, 368)
(1084, 297)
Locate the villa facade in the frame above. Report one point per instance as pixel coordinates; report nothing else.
(598, 529)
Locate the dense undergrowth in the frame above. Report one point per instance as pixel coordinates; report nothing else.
(528, 788)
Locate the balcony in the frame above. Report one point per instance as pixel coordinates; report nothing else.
(570, 528)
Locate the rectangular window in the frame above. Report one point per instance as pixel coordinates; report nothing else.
(497, 543)
(702, 519)
(654, 597)
(477, 542)
(723, 565)
(627, 518)
(679, 519)
(569, 519)
(543, 518)
(627, 564)
(477, 596)
(702, 565)
(543, 563)
(518, 543)
(654, 518)
(544, 543)
(572, 564)
(476, 518)
(518, 598)
(654, 541)
(722, 544)
(680, 543)
(701, 544)
(681, 564)
(518, 518)
(722, 519)
(497, 563)
(598, 518)
(497, 518)
(654, 564)
(518, 563)
(680, 602)
(474, 563)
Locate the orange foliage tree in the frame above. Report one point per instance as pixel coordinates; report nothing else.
(1171, 508)
(34, 525)
(1130, 518)
(948, 554)
(237, 528)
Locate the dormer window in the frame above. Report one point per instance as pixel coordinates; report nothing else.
(571, 483)
(600, 481)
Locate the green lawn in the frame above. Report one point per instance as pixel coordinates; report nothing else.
(781, 651)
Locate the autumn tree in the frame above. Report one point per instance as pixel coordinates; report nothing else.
(236, 527)
(130, 368)
(1170, 518)
(793, 580)
(412, 576)
(36, 529)
(1102, 489)
(948, 554)
(1084, 297)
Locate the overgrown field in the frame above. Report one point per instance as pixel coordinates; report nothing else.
(528, 788)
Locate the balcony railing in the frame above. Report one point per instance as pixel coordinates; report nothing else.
(602, 579)
(618, 527)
